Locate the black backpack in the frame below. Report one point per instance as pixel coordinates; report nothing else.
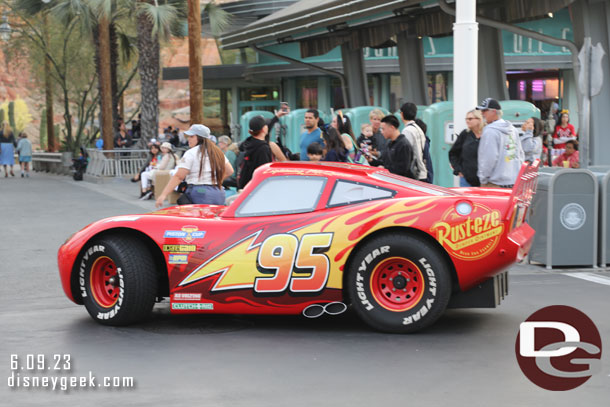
(428, 161)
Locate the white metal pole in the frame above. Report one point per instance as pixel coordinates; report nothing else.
(465, 54)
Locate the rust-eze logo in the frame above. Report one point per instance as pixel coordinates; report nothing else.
(558, 348)
(470, 237)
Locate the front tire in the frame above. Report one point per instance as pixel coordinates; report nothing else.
(398, 283)
(117, 280)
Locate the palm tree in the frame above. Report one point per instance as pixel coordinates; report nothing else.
(219, 21)
(156, 19)
(100, 20)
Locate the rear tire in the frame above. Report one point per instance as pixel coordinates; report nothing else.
(398, 283)
(117, 280)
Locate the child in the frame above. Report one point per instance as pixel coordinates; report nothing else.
(24, 148)
(315, 152)
(368, 143)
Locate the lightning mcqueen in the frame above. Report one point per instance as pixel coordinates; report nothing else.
(308, 239)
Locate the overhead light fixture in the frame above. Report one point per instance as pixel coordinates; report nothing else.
(338, 27)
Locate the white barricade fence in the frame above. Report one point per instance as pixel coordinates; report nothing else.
(116, 163)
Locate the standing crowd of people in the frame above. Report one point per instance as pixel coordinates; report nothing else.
(488, 153)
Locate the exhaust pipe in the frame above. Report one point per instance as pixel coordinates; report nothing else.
(331, 308)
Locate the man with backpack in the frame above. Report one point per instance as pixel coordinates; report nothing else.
(256, 150)
(417, 139)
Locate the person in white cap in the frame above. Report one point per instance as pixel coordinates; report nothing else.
(203, 167)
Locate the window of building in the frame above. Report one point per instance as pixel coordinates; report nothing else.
(283, 195)
(541, 88)
(307, 93)
(349, 192)
(336, 94)
(437, 89)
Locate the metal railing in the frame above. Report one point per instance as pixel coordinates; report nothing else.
(116, 163)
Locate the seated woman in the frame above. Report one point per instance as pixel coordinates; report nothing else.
(155, 156)
(168, 162)
(203, 167)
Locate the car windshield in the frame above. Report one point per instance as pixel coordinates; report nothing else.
(283, 195)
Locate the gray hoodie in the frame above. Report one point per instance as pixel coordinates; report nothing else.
(500, 154)
(532, 146)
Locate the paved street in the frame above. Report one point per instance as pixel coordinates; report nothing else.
(466, 359)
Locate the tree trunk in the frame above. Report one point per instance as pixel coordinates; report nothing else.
(104, 78)
(195, 71)
(148, 68)
(114, 62)
(48, 89)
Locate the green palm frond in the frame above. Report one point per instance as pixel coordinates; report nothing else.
(220, 20)
(126, 45)
(163, 17)
(67, 10)
(30, 7)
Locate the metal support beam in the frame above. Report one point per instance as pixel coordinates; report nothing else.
(591, 19)
(412, 69)
(492, 74)
(357, 84)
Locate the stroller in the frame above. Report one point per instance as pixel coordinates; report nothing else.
(79, 165)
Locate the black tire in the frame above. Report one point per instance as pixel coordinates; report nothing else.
(117, 280)
(398, 283)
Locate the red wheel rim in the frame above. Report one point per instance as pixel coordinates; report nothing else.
(397, 284)
(105, 282)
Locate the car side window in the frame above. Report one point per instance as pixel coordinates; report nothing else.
(283, 195)
(350, 192)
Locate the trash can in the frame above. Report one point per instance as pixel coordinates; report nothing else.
(602, 173)
(564, 216)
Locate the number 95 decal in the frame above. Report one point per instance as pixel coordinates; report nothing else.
(282, 255)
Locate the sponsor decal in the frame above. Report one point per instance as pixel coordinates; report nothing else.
(470, 237)
(558, 348)
(187, 233)
(187, 297)
(193, 306)
(572, 216)
(179, 248)
(178, 259)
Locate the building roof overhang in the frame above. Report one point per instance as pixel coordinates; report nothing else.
(320, 25)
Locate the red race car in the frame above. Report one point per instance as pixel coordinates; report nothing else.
(309, 239)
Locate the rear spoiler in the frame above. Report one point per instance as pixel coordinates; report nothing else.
(524, 189)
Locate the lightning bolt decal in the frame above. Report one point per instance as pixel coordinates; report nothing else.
(242, 252)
